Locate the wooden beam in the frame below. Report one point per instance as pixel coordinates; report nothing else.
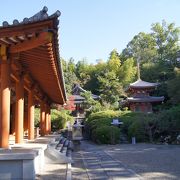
(3, 42)
(43, 38)
(26, 28)
(35, 55)
(15, 76)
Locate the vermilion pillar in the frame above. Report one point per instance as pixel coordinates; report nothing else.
(19, 117)
(5, 102)
(47, 121)
(30, 116)
(42, 119)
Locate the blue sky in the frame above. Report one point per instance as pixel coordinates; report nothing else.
(93, 28)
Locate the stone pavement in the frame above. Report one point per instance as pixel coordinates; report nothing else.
(150, 161)
(91, 162)
(53, 172)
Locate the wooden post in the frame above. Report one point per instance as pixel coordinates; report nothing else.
(47, 121)
(30, 116)
(19, 119)
(4, 99)
(42, 119)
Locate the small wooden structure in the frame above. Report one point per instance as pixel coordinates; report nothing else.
(30, 74)
(79, 101)
(139, 99)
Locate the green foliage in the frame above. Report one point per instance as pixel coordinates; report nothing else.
(142, 46)
(36, 117)
(157, 72)
(169, 120)
(100, 128)
(114, 63)
(109, 114)
(174, 87)
(127, 72)
(110, 87)
(83, 71)
(97, 70)
(91, 104)
(69, 74)
(59, 119)
(166, 37)
(106, 135)
(145, 127)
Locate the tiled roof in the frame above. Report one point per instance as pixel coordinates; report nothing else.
(78, 89)
(146, 99)
(40, 16)
(140, 84)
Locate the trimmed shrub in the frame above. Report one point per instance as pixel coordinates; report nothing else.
(104, 114)
(168, 124)
(59, 119)
(137, 129)
(99, 129)
(106, 135)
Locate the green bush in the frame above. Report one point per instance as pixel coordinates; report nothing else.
(139, 125)
(36, 117)
(105, 114)
(106, 134)
(102, 120)
(137, 129)
(99, 122)
(59, 119)
(168, 123)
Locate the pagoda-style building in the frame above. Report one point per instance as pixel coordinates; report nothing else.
(140, 99)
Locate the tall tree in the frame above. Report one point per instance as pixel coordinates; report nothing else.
(166, 37)
(69, 74)
(174, 87)
(142, 46)
(114, 61)
(83, 71)
(93, 83)
(127, 72)
(110, 87)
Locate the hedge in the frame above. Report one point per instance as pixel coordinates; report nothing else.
(106, 135)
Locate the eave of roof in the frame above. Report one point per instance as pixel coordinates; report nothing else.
(43, 62)
(146, 99)
(78, 89)
(143, 84)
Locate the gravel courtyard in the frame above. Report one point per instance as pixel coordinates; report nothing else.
(126, 161)
(148, 160)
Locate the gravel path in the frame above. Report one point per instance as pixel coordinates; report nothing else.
(92, 163)
(140, 161)
(161, 162)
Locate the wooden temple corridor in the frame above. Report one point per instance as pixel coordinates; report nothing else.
(30, 75)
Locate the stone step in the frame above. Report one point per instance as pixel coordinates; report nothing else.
(60, 151)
